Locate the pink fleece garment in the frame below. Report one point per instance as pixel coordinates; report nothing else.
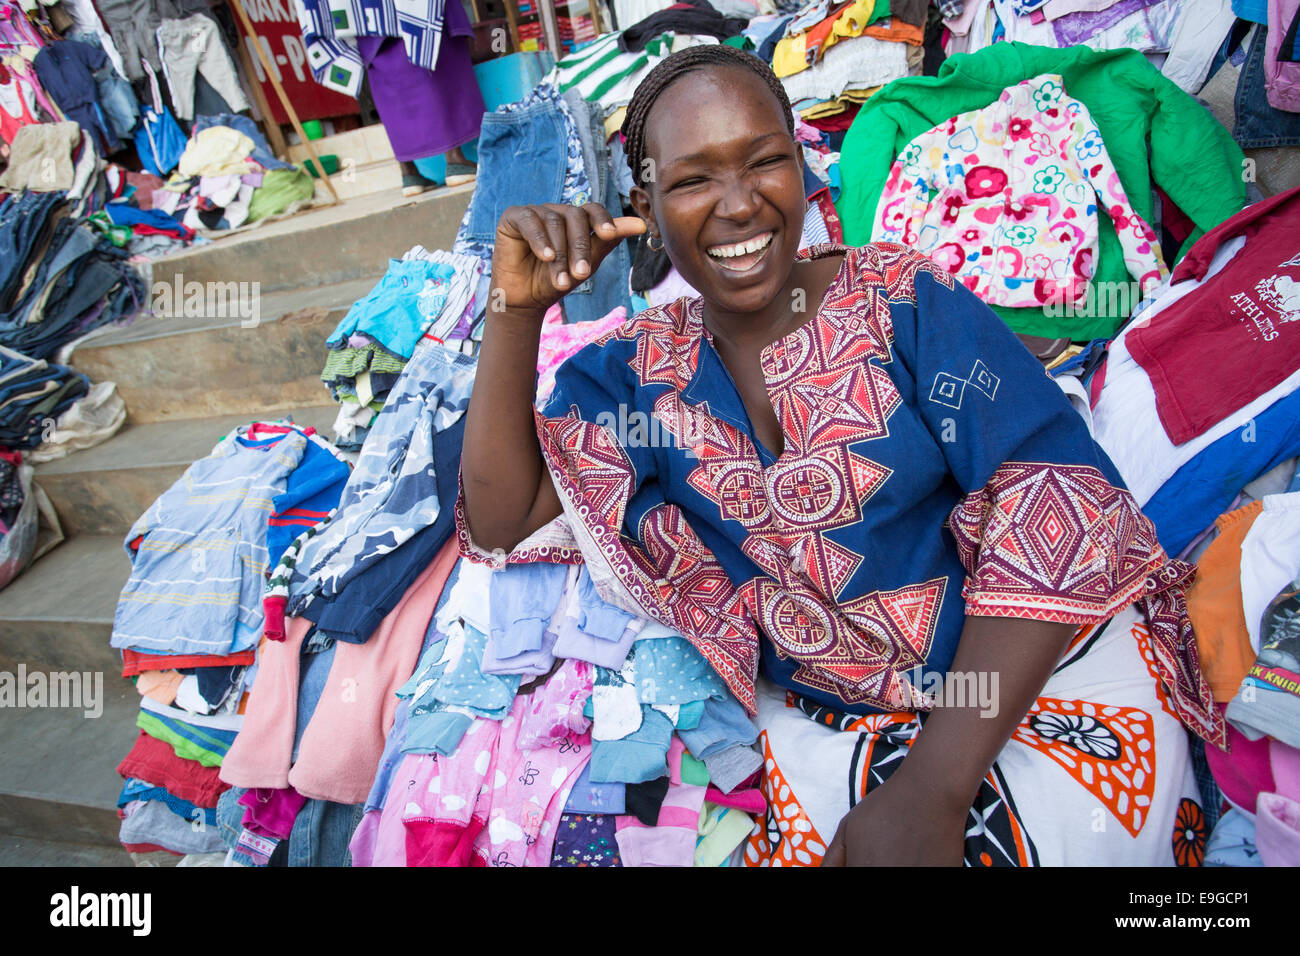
(271, 813)
(751, 801)
(447, 798)
(340, 751)
(260, 755)
(531, 784)
(1244, 771)
(1277, 830)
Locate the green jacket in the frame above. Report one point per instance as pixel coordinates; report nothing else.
(1153, 131)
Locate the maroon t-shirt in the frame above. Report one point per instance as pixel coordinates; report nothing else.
(1220, 347)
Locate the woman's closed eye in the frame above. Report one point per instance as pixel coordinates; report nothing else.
(687, 183)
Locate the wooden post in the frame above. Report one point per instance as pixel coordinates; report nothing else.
(512, 18)
(284, 99)
(273, 133)
(550, 27)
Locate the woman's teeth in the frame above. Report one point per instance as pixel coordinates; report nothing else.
(757, 244)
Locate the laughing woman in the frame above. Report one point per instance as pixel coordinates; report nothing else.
(874, 505)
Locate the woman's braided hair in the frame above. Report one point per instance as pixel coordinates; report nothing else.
(674, 68)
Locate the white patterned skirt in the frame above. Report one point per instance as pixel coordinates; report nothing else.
(1097, 774)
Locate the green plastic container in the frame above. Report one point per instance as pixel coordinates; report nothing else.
(330, 161)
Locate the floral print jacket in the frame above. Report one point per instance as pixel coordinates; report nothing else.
(1006, 199)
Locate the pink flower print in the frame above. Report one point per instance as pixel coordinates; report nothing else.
(1041, 144)
(1039, 266)
(1050, 292)
(952, 208)
(972, 236)
(982, 181)
(892, 218)
(950, 256)
(1082, 264)
(1067, 234)
(1010, 262)
(1140, 229)
(1150, 282)
(1019, 128)
(976, 278)
(1018, 210)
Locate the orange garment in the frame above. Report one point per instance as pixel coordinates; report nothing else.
(896, 29)
(1214, 606)
(159, 685)
(795, 54)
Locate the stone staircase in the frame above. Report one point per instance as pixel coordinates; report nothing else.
(186, 382)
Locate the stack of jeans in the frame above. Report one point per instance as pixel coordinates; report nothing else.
(81, 280)
(547, 149)
(33, 394)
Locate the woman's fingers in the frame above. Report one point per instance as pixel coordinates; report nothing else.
(568, 243)
(607, 233)
(835, 853)
(579, 226)
(557, 232)
(527, 224)
(628, 226)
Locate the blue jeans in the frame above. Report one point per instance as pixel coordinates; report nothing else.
(1258, 124)
(522, 158)
(531, 153)
(116, 99)
(22, 221)
(608, 288)
(320, 836)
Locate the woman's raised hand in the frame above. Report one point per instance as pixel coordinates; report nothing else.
(543, 252)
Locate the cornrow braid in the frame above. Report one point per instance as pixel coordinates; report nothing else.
(674, 68)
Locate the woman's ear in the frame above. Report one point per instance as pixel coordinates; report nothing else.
(644, 208)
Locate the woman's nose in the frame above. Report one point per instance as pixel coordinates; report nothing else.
(740, 199)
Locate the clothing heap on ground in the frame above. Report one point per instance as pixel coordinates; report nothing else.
(423, 296)
(417, 701)
(190, 618)
(215, 174)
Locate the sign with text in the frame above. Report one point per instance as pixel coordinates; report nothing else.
(281, 38)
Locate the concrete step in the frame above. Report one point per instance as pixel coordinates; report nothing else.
(27, 851)
(264, 357)
(323, 246)
(58, 766)
(102, 490)
(58, 614)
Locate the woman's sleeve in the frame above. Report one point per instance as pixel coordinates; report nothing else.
(1045, 528)
(1142, 253)
(906, 198)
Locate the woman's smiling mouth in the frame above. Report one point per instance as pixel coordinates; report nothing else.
(742, 256)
